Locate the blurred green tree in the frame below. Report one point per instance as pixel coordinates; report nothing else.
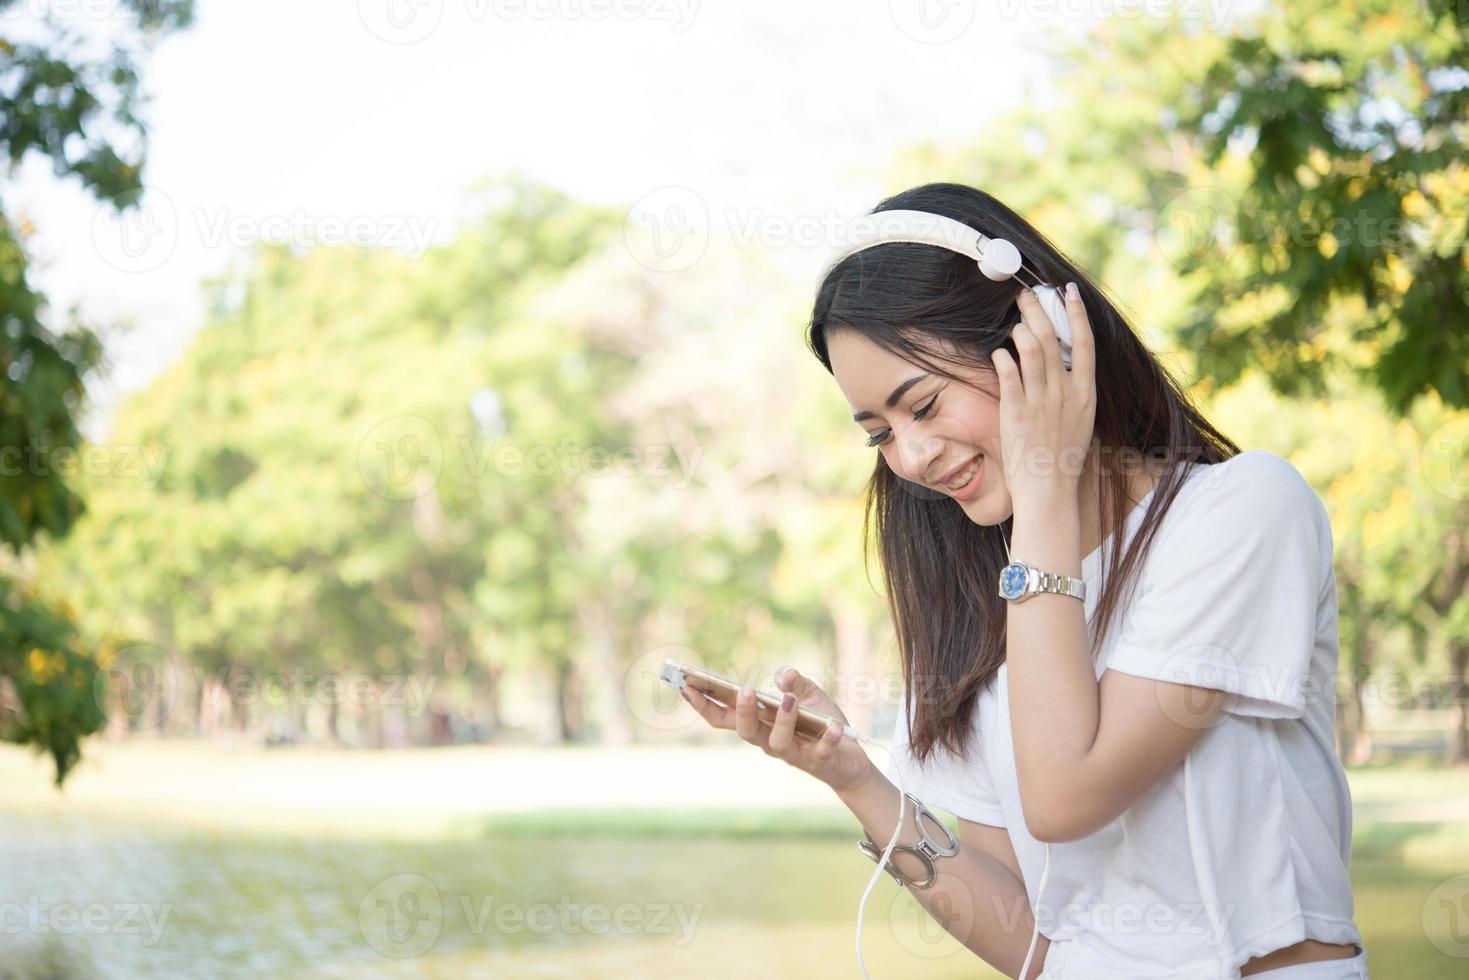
(329, 497)
(80, 113)
(1354, 117)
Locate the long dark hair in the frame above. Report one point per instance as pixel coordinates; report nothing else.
(940, 568)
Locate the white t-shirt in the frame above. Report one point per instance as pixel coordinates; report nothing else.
(1243, 848)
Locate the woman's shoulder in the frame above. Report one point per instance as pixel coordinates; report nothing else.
(1255, 501)
(1255, 484)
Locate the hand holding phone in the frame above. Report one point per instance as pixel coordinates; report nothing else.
(724, 692)
(813, 735)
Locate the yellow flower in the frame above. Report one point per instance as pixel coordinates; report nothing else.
(39, 665)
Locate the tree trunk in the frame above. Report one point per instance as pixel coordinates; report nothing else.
(239, 705)
(214, 703)
(601, 640)
(1458, 743)
(569, 716)
(490, 700)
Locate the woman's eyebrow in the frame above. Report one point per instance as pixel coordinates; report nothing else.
(893, 398)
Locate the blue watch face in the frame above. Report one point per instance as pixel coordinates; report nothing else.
(1012, 581)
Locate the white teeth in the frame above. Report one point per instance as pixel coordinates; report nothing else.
(967, 475)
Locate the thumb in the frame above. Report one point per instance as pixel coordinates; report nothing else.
(792, 680)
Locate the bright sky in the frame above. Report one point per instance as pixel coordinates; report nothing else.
(312, 121)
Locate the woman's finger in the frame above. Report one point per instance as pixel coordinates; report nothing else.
(783, 732)
(1032, 359)
(1008, 374)
(1083, 348)
(747, 723)
(791, 679)
(717, 715)
(1045, 333)
(821, 752)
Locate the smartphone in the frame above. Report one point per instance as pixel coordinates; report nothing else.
(722, 690)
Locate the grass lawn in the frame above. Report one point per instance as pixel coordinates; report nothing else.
(200, 862)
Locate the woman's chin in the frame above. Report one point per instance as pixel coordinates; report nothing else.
(987, 509)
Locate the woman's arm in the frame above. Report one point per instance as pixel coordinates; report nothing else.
(1084, 751)
(978, 895)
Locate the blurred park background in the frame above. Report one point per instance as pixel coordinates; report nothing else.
(387, 388)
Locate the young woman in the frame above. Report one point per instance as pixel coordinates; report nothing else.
(1155, 747)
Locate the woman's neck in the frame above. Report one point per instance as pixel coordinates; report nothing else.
(1089, 499)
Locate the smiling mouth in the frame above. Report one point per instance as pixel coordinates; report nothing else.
(956, 479)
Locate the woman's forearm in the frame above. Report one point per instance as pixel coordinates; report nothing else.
(976, 898)
(1054, 701)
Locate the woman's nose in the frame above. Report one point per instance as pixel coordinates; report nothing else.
(917, 455)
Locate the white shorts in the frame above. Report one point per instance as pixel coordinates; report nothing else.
(1348, 969)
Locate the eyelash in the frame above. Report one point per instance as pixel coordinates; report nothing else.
(877, 439)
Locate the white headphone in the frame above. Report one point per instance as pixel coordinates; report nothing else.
(997, 259)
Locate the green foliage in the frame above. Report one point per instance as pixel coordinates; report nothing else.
(54, 682)
(78, 113)
(329, 503)
(1355, 118)
(1300, 173)
(40, 390)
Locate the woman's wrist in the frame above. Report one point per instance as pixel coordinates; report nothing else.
(867, 792)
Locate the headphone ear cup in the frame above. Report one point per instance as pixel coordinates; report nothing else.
(1055, 306)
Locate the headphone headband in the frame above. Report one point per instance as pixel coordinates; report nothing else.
(997, 258)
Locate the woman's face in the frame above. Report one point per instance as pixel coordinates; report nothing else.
(958, 423)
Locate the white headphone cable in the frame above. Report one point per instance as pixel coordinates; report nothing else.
(1036, 932)
(887, 853)
(882, 862)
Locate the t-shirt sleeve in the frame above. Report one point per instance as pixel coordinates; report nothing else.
(1230, 596)
(961, 786)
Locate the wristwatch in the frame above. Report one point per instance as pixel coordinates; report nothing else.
(1019, 581)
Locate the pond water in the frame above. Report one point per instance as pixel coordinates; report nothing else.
(90, 898)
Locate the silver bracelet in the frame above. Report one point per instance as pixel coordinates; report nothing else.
(926, 850)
